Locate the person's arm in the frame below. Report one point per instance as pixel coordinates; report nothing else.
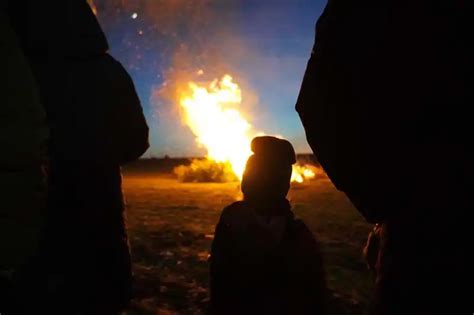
(217, 271)
(220, 271)
(313, 293)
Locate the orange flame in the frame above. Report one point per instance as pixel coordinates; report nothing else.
(212, 113)
(302, 173)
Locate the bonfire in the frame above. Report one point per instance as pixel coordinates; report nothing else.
(212, 112)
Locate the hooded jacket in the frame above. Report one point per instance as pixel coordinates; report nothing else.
(94, 113)
(264, 265)
(385, 102)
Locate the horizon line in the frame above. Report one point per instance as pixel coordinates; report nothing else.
(193, 157)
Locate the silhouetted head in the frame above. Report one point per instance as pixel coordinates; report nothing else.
(267, 174)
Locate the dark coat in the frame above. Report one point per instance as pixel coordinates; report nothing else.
(23, 138)
(265, 267)
(97, 124)
(93, 110)
(385, 103)
(385, 99)
(54, 29)
(103, 121)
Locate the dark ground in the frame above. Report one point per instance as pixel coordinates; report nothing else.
(171, 226)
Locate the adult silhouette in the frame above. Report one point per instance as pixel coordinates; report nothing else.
(23, 137)
(97, 125)
(384, 103)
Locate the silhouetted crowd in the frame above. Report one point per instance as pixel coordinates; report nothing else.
(384, 103)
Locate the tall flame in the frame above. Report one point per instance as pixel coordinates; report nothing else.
(212, 113)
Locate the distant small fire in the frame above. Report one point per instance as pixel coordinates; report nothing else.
(303, 172)
(212, 113)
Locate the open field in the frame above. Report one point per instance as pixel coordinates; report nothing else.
(171, 226)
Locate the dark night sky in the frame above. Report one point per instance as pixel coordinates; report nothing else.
(263, 44)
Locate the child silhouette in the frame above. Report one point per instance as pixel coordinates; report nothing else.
(263, 260)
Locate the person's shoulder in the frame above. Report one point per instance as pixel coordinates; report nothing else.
(300, 227)
(234, 206)
(307, 248)
(233, 211)
(302, 232)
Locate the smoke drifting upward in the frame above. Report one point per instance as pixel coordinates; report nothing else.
(190, 35)
(205, 45)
